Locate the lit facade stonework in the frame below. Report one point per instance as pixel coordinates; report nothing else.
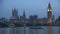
(49, 14)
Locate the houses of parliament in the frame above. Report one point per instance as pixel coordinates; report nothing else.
(15, 20)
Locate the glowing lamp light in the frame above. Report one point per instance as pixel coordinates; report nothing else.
(49, 10)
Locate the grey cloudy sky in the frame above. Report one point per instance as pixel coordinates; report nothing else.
(31, 7)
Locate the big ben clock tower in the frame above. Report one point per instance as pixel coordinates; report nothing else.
(49, 14)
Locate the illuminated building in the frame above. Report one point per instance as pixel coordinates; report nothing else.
(49, 14)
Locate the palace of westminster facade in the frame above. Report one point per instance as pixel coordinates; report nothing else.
(15, 20)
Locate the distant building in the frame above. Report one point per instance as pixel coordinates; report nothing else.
(23, 18)
(48, 19)
(42, 21)
(49, 14)
(57, 22)
(3, 20)
(15, 13)
(33, 19)
(14, 17)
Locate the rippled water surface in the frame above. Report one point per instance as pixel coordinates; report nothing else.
(31, 30)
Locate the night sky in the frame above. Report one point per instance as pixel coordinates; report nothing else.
(31, 7)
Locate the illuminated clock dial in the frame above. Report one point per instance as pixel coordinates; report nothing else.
(49, 9)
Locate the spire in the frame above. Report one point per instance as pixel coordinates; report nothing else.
(15, 10)
(14, 13)
(24, 13)
(49, 6)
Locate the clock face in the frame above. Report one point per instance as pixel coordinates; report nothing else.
(49, 9)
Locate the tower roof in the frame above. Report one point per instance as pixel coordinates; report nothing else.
(49, 5)
(24, 13)
(14, 9)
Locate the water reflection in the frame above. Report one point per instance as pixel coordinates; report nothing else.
(28, 30)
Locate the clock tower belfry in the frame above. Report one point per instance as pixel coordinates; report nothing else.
(49, 14)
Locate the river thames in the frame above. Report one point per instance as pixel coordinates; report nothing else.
(31, 30)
